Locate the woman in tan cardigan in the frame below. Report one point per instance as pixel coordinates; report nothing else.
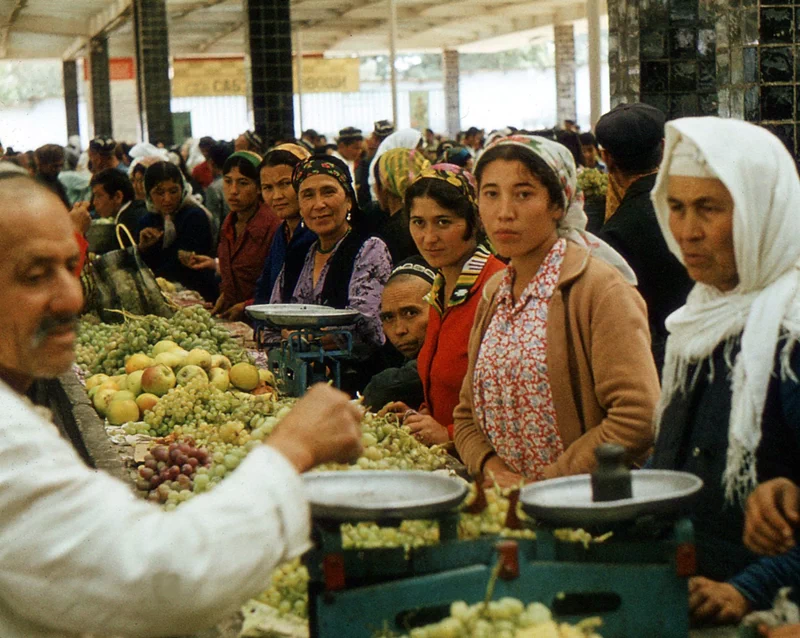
(559, 354)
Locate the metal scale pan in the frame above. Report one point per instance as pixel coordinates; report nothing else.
(568, 501)
(299, 316)
(379, 495)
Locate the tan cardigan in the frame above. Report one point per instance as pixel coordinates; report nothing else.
(611, 384)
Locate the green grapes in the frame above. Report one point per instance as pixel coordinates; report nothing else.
(504, 618)
(104, 347)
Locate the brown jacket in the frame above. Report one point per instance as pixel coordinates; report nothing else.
(603, 379)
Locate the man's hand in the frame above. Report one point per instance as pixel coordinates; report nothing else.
(81, 219)
(149, 237)
(427, 429)
(201, 262)
(235, 312)
(715, 603)
(773, 512)
(219, 305)
(324, 426)
(495, 470)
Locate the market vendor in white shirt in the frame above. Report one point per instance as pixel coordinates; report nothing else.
(79, 553)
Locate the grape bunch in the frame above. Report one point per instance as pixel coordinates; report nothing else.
(288, 591)
(170, 471)
(504, 618)
(104, 347)
(198, 409)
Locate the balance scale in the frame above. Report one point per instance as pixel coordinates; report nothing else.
(636, 580)
(301, 360)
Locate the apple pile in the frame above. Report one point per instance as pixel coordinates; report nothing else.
(127, 397)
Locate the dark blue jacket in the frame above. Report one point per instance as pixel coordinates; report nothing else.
(694, 438)
(299, 243)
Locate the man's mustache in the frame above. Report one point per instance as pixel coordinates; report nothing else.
(51, 324)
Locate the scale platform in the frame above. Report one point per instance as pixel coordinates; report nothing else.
(303, 359)
(636, 581)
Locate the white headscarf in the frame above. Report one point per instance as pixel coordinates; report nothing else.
(404, 138)
(761, 177)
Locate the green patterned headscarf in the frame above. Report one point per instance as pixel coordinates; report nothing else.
(399, 167)
(457, 177)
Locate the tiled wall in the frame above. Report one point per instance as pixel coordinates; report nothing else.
(269, 33)
(734, 58)
(101, 87)
(70, 72)
(566, 105)
(152, 67)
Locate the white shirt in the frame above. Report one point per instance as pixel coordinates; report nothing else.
(79, 553)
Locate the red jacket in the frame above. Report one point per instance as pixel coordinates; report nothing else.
(242, 260)
(442, 361)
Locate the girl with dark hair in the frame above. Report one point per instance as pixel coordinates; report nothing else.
(444, 223)
(244, 239)
(175, 227)
(292, 237)
(559, 354)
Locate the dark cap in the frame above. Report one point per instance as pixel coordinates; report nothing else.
(383, 129)
(206, 142)
(349, 135)
(103, 145)
(630, 131)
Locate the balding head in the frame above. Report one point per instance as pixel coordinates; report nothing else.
(42, 295)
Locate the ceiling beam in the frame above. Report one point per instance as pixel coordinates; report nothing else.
(50, 26)
(105, 21)
(221, 36)
(5, 29)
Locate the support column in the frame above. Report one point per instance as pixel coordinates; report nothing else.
(269, 49)
(100, 82)
(152, 70)
(566, 105)
(393, 57)
(663, 54)
(70, 72)
(451, 92)
(595, 64)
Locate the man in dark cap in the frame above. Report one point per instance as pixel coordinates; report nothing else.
(631, 138)
(382, 130)
(473, 140)
(49, 161)
(350, 148)
(102, 155)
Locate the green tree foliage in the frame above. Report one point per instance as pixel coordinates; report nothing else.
(23, 82)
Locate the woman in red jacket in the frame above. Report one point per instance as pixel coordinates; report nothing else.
(443, 212)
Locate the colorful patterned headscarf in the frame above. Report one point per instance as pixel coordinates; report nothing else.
(456, 176)
(573, 224)
(399, 167)
(323, 165)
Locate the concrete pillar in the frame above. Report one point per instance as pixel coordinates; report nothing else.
(151, 33)
(595, 64)
(566, 105)
(269, 53)
(451, 92)
(70, 72)
(100, 83)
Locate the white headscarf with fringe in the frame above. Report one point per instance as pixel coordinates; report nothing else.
(761, 177)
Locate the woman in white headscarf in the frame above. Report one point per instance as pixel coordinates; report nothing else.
(404, 138)
(728, 202)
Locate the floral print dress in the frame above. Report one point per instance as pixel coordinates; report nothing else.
(513, 400)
